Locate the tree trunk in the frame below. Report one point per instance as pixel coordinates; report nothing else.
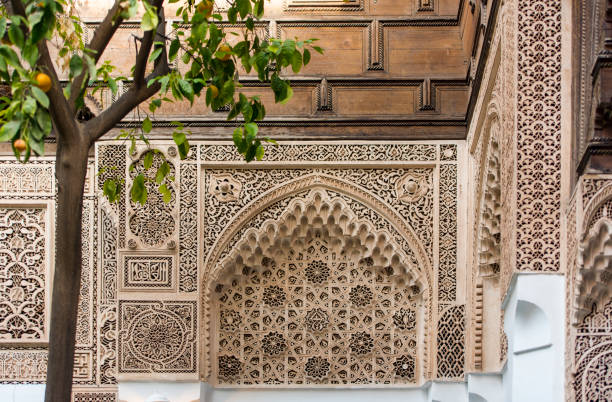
(71, 169)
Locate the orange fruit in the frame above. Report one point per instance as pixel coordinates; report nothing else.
(225, 48)
(20, 145)
(43, 81)
(214, 91)
(206, 8)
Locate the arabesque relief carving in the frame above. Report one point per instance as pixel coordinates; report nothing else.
(23, 269)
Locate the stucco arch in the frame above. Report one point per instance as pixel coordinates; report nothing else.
(217, 259)
(593, 282)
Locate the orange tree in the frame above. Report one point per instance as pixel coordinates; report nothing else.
(39, 104)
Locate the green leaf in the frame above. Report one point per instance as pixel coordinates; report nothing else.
(44, 120)
(251, 132)
(306, 56)
(91, 65)
(237, 138)
(249, 23)
(259, 8)
(2, 27)
(147, 125)
(16, 34)
(247, 112)
(296, 62)
(10, 56)
(162, 172)
(112, 83)
(281, 89)
(149, 19)
(165, 192)
(30, 54)
(155, 54)
(41, 97)
(174, 48)
(76, 65)
(38, 146)
(35, 18)
(111, 190)
(36, 134)
(186, 89)
(232, 15)
(259, 152)
(139, 190)
(148, 160)
(9, 130)
(288, 96)
(318, 49)
(244, 7)
(154, 105)
(29, 106)
(184, 149)
(179, 137)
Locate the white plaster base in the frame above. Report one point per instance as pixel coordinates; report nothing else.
(22, 392)
(534, 321)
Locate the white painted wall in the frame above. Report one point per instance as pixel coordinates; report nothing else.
(174, 391)
(534, 321)
(22, 392)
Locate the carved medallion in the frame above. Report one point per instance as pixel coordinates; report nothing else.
(225, 188)
(412, 186)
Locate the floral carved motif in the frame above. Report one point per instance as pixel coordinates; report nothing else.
(317, 367)
(22, 273)
(157, 337)
(412, 186)
(225, 188)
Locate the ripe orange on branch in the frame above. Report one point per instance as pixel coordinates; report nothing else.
(206, 8)
(20, 145)
(43, 81)
(226, 49)
(214, 91)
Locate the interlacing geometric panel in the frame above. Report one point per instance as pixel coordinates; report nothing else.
(451, 343)
(318, 314)
(539, 135)
(593, 356)
(316, 295)
(22, 273)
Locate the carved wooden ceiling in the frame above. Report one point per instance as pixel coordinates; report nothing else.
(392, 69)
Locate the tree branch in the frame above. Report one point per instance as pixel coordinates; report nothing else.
(105, 121)
(61, 110)
(102, 36)
(145, 47)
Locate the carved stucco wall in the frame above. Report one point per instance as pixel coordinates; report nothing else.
(144, 315)
(589, 286)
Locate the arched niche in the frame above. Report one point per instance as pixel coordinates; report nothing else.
(532, 327)
(593, 283)
(317, 212)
